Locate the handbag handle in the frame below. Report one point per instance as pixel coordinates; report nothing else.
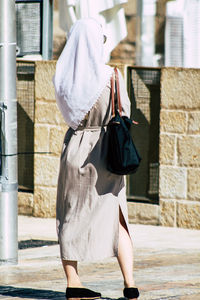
(118, 92)
(113, 95)
(118, 95)
(113, 80)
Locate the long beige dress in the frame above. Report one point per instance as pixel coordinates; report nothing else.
(89, 196)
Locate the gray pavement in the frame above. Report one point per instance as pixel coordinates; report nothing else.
(167, 265)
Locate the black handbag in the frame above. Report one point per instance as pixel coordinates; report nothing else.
(122, 156)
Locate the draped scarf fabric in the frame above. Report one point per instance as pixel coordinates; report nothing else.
(81, 74)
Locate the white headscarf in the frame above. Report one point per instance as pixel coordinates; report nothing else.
(81, 74)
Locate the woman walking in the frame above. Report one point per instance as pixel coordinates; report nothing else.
(92, 219)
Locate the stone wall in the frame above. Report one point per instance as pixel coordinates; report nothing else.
(179, 186)
(49, 129)
(180, 148)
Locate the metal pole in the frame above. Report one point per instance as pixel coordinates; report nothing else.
(8, 137)
(47, 29)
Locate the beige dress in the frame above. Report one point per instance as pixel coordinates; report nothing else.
(88, 195)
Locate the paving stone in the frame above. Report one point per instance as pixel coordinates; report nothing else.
(166, 266)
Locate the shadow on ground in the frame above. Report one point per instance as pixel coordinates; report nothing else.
(28, 293)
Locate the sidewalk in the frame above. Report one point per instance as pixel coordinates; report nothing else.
(167, 265)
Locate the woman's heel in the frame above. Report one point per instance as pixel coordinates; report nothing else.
(131, 293)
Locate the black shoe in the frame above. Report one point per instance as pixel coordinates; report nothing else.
(131, 293)
(83, 293)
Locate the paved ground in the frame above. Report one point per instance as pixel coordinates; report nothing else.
(167, 265)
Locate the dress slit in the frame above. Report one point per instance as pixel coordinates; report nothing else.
(122, 218)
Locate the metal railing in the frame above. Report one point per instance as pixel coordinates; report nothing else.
(144, 92)
(25, 117)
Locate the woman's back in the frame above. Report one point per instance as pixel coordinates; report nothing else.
(87, 192)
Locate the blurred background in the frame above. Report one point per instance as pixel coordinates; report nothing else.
(160, 32)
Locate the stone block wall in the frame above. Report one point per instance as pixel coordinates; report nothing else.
(179, 188)
(179, 181)
(49, 130)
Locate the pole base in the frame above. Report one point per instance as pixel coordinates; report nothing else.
(13, 261)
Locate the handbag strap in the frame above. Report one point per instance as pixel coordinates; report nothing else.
(113, 80)
(118, 92)
(113, 95)
(118, 95)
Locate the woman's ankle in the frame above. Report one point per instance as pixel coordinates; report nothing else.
(74, 283)
(129, 284)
